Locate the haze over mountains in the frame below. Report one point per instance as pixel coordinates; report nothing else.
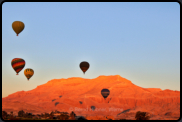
(79, 94)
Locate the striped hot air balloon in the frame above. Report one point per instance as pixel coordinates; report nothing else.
(18, 26)
(28, 73)
(18, 64)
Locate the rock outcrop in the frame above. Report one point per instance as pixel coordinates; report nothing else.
(66, 94)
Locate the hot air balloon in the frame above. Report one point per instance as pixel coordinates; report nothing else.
(84, 66)
(105, 93)
(18, 64)
(18, 26)
(28, 73)
(93, 108)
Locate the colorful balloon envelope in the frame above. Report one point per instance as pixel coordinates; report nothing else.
(18, 26)
(105, 93)
(28, 73)
(84, 66)
(18, 64)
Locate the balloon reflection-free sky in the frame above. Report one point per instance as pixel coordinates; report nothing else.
(138, 41)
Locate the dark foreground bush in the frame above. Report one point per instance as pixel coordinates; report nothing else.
(81, 118)
(4, 114)
(21, 113)
(141, 116)
(63, 117)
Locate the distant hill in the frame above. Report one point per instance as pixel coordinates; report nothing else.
(79, 94)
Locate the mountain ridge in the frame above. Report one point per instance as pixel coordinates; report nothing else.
(63, 94)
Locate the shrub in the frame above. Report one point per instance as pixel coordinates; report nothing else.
(4, 114)
(81, 118)
(63, 117)
(21, 113)
(72, 115)
(141, 116)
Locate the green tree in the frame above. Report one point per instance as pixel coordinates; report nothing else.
(21, 113)
(4, 114)
(51, 115)
(46, 115)
(72, 116)
(42, 115)
(63, 117)
(11, 115)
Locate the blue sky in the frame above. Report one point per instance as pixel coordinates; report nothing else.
(138, 41)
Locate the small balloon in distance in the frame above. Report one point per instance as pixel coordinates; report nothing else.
(105, 93)
(18, 26)
(84, 66)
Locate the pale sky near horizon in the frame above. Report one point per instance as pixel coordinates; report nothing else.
(138, 41)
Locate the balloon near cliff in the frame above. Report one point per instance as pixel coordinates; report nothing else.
(105, 93)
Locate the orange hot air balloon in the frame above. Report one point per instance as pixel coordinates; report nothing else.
(18, 64)
(28, 73)
(84, 66)
(18, 26)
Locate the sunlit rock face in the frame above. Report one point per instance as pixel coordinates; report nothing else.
(79, 94)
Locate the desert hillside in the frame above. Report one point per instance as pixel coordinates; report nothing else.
(79, 94)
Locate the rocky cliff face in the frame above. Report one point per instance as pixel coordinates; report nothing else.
(78, 95)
